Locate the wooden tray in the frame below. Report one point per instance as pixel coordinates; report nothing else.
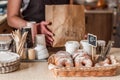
(11, 68)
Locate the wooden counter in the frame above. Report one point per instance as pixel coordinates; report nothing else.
(39, 71)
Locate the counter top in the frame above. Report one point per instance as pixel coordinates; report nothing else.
(39, 71)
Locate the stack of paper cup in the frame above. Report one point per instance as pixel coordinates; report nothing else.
(41, 50)
(40, 39)
(72, 46)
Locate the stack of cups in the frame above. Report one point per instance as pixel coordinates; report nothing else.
(72, 46)
(41, 50)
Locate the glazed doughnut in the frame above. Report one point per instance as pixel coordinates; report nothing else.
(63, 53)
(106, 62)
(80, 53)
(113, 59)
(82, 59)
(63, 59)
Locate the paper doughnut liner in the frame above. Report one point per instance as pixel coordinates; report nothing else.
(83, 71)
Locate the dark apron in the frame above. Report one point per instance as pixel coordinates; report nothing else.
(36, 9)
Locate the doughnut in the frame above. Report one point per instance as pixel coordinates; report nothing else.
(82, 59)
(113, 59)
(63, 53)
(106, 62)
(78, 52)
(63, 59)
(51, 66)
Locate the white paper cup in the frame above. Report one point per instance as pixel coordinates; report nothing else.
(100, 46)
(86, 47)
(42, 54)
(40, 39)
(101, 42)
(72, 46)
(40, 47)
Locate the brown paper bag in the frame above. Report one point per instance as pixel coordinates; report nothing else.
(68, 23)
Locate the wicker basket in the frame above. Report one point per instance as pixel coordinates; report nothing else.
(83, 71)
(11, 68)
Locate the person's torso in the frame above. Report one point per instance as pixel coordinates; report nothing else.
(34, 10)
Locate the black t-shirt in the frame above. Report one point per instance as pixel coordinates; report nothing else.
(35, 11)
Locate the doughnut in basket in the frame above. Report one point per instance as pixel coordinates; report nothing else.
(81, 64)
(62, 59)
(82, 59)
(109, 61)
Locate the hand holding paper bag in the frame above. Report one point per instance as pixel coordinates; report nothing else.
(68, 23)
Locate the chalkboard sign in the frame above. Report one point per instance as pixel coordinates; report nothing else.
(92, 40)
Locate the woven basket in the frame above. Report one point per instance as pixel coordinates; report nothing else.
(11, 68)
(10, 64)
(83, 71)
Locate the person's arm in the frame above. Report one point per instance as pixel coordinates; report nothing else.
(13, 14)
(15, 20)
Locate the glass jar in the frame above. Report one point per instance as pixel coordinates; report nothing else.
(5, 41)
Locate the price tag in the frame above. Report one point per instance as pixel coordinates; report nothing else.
(92, 40)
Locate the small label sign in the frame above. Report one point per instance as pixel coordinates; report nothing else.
(92, 40)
